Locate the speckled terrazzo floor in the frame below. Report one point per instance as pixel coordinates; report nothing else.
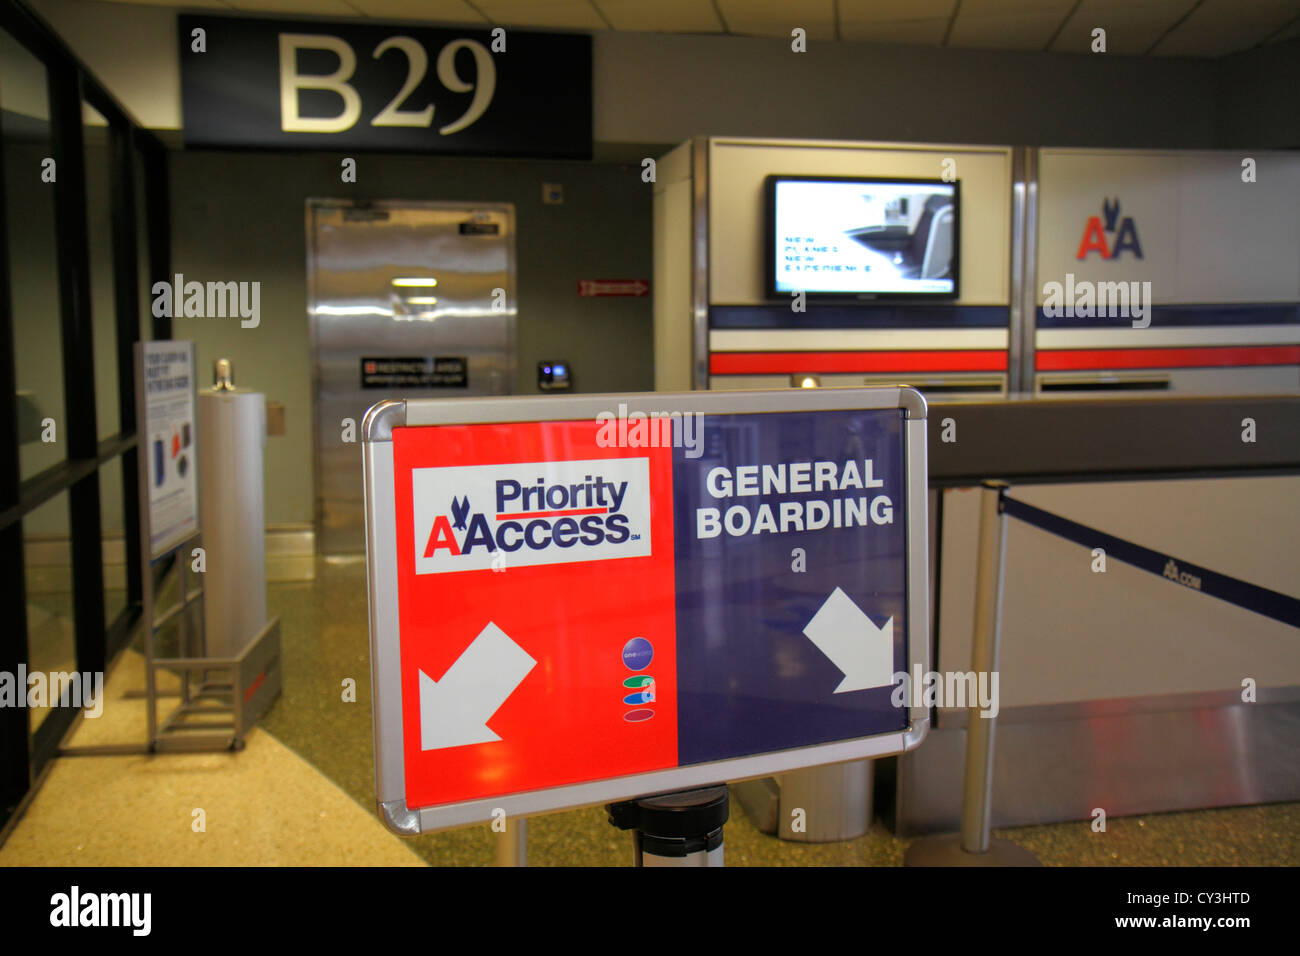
(313, 749)
(261, 806)
(324, 635)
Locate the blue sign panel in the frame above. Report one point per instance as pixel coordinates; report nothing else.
(790, 547)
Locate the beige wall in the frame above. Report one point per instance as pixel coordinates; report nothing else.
(1256, 97)
(673, 263)
(1206, 236)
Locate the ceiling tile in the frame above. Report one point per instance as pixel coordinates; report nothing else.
(556, 14)
(777, 18)
(430, 11)
(324, 8)
(1220, 27)
(207, 4)
(917, 22)
(1008, 24)
(661, 16)
(1131, 25)
(1014, 32)
(895, 11)
(913, 32)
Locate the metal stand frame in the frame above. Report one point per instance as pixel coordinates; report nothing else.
(512, 843)
(837, 799)
(191, 649)
(675, 829)
(975, 845)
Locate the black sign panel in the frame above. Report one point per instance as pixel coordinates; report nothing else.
(415, 371)
(356, 86)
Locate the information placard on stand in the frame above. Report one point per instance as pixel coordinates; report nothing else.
(585, 599)
(219, 698)
(168, 442)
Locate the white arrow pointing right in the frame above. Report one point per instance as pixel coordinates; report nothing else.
(455, 710)
(864, 652)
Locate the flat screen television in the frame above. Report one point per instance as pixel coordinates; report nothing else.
(862, 239)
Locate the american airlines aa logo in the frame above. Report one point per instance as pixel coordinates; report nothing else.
(536, 513)
(1125, 236)
(459, 513)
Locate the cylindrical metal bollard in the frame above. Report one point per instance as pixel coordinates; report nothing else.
(977, 783)
(232, 437)
(675, 829)
(822, 804)
(512, 843)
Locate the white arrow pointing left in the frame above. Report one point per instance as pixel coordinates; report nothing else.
(455, 710)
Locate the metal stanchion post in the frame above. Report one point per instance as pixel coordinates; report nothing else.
(675, 829)
(836, 801)
(512, 843)
(974, 846)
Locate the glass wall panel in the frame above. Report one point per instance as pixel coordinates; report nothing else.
(114, 543)
(29, 167)
(47, 553)
(99, 227)
(142, 247)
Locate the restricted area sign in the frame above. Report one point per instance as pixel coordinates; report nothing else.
(624, 287)
(588, 599)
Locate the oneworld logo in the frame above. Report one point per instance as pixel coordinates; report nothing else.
(1123, 231)
(467, 518)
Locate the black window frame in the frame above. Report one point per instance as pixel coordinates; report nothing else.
(24, 755)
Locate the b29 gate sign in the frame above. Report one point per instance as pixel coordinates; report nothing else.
(588, 599)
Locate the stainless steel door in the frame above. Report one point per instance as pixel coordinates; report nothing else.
(405, 300)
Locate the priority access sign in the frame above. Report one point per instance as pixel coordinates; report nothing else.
(593, 598)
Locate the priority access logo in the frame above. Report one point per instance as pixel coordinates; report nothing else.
(551, 512)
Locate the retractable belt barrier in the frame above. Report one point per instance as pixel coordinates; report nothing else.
(1252, 597)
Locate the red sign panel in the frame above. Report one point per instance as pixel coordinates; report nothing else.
(602, 287)
(473, 504)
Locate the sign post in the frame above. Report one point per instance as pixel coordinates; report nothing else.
(169, 498)
(597, 598)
